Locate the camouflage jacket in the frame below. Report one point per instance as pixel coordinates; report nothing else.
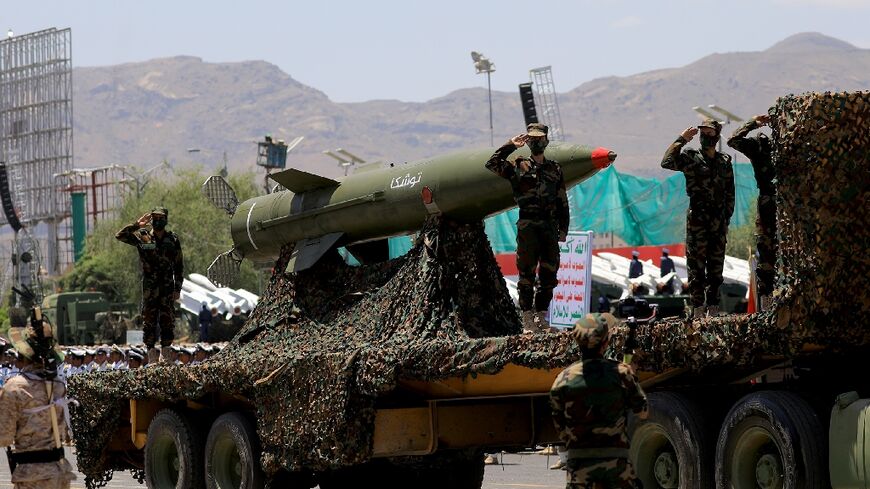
(161, 258)
(709, 183)
(590, 400)
(757, 149)
(32, 431)
(539, 190)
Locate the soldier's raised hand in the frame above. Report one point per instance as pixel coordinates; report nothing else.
(520, 140)
(762, 119)
(689, 133)
(144, 220)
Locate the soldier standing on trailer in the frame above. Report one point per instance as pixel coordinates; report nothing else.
(710, 186)
(162, 275)
(758, 149)
(539, 191)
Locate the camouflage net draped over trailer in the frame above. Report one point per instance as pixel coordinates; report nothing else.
(822, 161)
(324, 344)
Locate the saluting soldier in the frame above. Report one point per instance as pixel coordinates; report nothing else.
(710, 187)
(162, 275)
(758, 149)
(539, 191)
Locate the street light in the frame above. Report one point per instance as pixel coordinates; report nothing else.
(347, 159)
(223, 172)
(483, 65)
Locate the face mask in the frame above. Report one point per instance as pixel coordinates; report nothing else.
(537, 146)
(708, 141)
(158, 223)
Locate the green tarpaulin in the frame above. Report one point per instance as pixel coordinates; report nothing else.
(641, 211)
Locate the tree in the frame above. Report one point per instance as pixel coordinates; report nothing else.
(112, 267)
(741, 239)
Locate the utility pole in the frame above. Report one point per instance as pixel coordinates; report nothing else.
(483, 65)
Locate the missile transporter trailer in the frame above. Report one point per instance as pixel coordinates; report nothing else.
(419, 367)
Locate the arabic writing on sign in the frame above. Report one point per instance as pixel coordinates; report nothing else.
(571, 295)
(406, 181)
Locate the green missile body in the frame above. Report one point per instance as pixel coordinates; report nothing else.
(318, 213)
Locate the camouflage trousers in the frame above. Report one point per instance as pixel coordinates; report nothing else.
(537, 249)
(158, 315)
(706, 235)
(765, 242)
(600, 473)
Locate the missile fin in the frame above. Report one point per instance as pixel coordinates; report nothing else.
(221, 194)
(308, 251)
(224, 270)
(298, 181)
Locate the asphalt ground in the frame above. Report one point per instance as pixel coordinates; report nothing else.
(517, 471)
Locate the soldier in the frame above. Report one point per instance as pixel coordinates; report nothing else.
(162, 275)
(635, 268)
(539, 191)
(758, 150)
(204, 322)
(117, 357)
(666, 266)
(134, 359)
(589, 401)
(33, 404)
(101, 360)
(710, 186)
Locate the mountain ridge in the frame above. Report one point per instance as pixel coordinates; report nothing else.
(144, 112)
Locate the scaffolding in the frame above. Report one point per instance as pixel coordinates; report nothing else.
(104, 190)
(545, 99)
(36, 128)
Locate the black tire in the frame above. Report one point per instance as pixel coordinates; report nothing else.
(672, 448)
(173, 453)
(232, 454)
(771, 439)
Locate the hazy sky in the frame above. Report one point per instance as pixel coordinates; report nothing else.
(414, 51)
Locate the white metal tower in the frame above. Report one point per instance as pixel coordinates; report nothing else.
(545, 99)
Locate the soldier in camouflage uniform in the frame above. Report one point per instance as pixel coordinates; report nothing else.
(710, 186)
(539, 191)
(590, 400)
(162, 275)
(27, 421)
(758, 150)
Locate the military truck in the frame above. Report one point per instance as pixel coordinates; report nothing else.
(777, 399)
(87, 318)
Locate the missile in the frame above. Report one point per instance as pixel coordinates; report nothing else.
(363, 209)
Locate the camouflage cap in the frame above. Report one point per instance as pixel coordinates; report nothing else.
(712, 124)
(160, 210)
(536, 129)
(594, 330)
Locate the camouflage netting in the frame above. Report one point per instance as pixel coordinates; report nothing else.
(821, 144)
(324, 344)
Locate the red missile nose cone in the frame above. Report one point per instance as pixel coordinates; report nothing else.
(602, 157)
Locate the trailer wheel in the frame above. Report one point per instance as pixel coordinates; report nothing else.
(771, 440)
(173, 453)
(670, 449)
(232, 454)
